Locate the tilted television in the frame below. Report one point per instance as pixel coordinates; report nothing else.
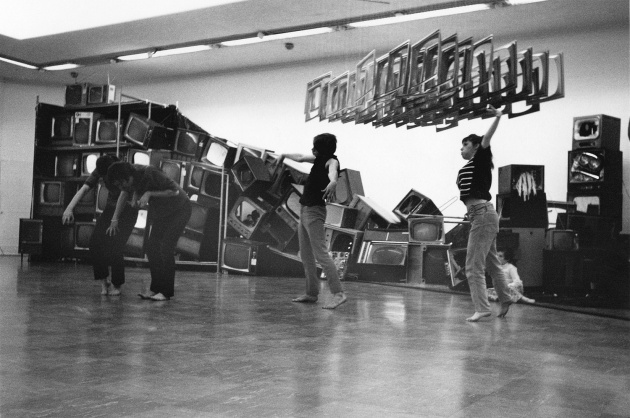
(204, 181)
(189, 144)
(174, 170)
(191, 239)
(426, 229)
(247, 214)
(251, 175)
(147, 157)
(348, 184)
(415, 203)
(147, 133)
(218, 152)
(62, 130)
(243, 150)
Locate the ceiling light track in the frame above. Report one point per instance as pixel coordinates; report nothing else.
(401, 16)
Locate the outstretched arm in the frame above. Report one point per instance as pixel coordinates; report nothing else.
(297, 157)
(485, 143)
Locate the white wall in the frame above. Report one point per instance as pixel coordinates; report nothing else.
(264, 107)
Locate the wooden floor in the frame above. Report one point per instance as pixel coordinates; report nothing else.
(235, 346)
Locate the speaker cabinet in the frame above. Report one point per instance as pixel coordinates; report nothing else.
(562, 271)
(594, 170)
(428, 264)
(31, 233)
(515, 212)
(512, 177)
(251, 175)
(597, 131)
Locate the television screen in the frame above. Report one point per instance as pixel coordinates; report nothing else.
(62, 129)
(101, 93)
(239, 255)
(211, 184)
(88, 163)
(66, 165)
(137, 129)
(85, 127)
(173, 169)
(586, 166)
(198, 218)
(107, 131)
(218, 152)
(246, 215)
(82, 235)
(251, 175)
(135, 244)
(426, 229)
(147, 157)
(384, 253)
(51, 193)
(415, 203)
(292, 201)
(141, 220)
(76, 94)
(561, 239)
(194, 178)
(187, 142)
(429, 264)
(101, 198)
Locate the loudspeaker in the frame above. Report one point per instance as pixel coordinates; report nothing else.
(251, 175)
(340, 215)
(597, 131)
(428, 264)
(515, 176)
(561, 270)
(515, 212)
(594, 170)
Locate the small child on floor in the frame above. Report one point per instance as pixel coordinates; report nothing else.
(511, 275)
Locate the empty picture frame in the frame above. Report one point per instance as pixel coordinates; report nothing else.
(314, 90)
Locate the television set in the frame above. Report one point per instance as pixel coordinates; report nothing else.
(190, 241)
(101, 94)
(597, 131)
(561, 239)
(291, 200)
(85, 128)
(247, 215)
(147, 157)
(82, 235)
(371, 214)
(240, 255)
(205, 182)
(415, 203)
(218, 152)
(31, 236)
(76, 94)
(107, 132)
(348, 184)
(284, 178)
(174, 170)
(251, 175)
(88, 162)
(429, 264)
(189, 144)
(66, 164)
(595, 169)
(283, 227)
(340, 215)
(51, 198)
(243, 150)
(198, 218)
(382, 261)
(135, 244)
(147, 133)
(62, 130)
(102, 194)
(519, 176)
(426, 229)
(344, 240)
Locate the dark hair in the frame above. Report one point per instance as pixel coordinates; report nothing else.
(325, 144)
(474, 139)
(508, 254)
(103, 163)
(120, 171)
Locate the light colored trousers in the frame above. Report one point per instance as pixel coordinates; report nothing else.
(313, 248)
(481, 254)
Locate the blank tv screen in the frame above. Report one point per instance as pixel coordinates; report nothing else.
(89, 163)
(141, 158)
(198, 217)
(172, 170)
(186, 142)
(216, 154)
(107, 131)
(425, 231)
(236, 256)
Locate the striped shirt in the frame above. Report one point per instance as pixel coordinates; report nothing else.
(475, 177)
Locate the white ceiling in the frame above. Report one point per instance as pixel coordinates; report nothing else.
(252, 16)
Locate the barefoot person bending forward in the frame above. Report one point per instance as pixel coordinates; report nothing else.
(319, 188)
(474, 180)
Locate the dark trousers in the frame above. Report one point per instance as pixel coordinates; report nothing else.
(160, 249)
(108, 251)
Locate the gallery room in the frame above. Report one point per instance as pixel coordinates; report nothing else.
(199, 292)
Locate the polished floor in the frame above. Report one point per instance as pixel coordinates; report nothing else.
(235, 346)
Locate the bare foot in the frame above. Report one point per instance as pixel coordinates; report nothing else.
(527, 300)
(158, 297)
(477, 316)
(337, 299)
(305, 299)
(115, 291)
(147, 295)
(505, 307)
(105, 283)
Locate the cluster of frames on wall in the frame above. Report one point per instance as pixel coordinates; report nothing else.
(437, 82)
